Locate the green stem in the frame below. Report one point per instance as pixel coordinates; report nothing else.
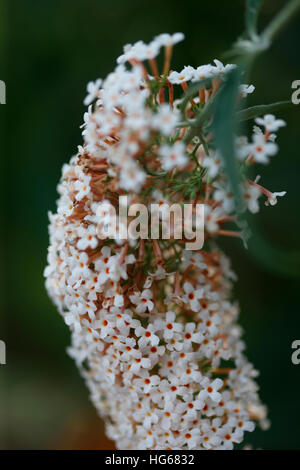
(280, 20)
(199, 120)
(204, 143)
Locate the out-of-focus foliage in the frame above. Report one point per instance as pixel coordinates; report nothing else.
(48, 52)
(252, 11)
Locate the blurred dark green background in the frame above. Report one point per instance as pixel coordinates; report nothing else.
(49, 50)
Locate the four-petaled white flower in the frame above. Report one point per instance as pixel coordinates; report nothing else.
(211, 389)
(185, 75)
(147, 335)
(164, 120)
(260, 149)
(270, 123)
(82, 187)
(87, 237)
(173, 155)
(251, 195)
(143, 301)
(171, 327)
(192, 296)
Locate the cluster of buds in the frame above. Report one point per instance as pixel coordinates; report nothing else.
(154, 329)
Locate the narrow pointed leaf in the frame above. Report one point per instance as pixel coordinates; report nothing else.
(255, 111)
(224, 129)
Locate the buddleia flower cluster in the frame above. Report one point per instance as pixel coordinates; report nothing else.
(154, 328)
